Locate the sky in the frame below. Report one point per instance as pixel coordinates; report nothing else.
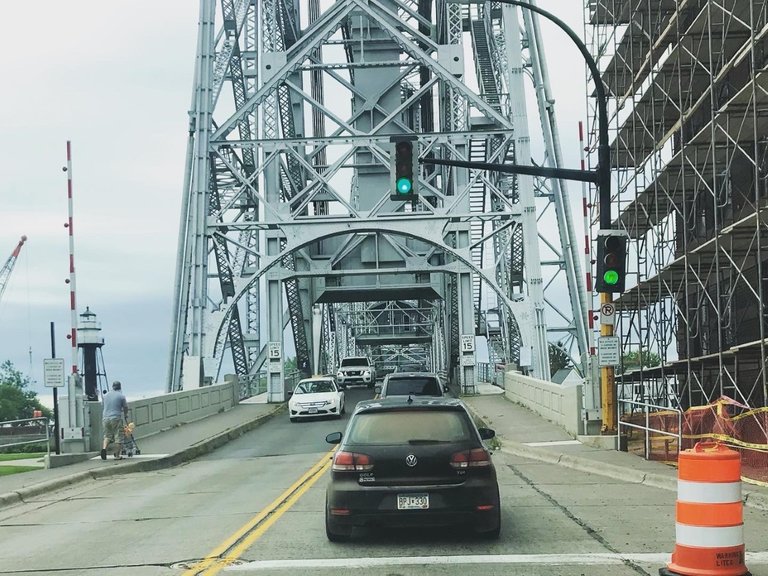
(115, 78)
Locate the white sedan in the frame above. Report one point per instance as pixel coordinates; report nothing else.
(317, 396)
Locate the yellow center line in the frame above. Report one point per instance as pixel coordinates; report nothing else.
(256, 526)
(246, 543)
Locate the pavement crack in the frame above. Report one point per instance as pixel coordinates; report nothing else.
(594, 534)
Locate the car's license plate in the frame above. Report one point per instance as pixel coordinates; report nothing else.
(312, 410)
(413, 501)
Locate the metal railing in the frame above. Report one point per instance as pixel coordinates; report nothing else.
(483, 372)
(291, 379)
(256, 384)
(648, 409)
(32, 430)
(490, 373)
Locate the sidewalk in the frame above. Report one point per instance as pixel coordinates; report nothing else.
(162, 450)
(525, 434)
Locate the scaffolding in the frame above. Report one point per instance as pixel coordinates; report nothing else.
(688, 108)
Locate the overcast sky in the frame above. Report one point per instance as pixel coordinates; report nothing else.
(115, 78)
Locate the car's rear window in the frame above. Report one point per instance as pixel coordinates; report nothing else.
(412, 426)
(412, 368)
(354, 362)
(417, 386)
(315, 387)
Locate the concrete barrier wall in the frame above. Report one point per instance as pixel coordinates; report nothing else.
(559, 404)
(152, 415)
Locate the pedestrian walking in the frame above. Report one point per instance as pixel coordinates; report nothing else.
(114, 408)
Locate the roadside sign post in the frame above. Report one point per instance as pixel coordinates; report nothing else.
(53, 376)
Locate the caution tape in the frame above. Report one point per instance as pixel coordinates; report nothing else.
(728, 440)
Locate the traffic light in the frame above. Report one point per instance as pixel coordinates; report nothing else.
(404, 168)
(611, 261)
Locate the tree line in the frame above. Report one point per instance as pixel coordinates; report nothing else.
(17, 400)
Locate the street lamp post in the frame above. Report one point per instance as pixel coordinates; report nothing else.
(601, 177)
(603, 147)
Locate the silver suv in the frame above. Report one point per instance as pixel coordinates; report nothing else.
(356, 370)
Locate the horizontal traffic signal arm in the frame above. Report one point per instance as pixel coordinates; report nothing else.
(559, 173)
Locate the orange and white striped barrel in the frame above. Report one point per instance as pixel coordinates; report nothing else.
(709, 526)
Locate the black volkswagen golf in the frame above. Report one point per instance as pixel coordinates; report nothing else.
(412, 462)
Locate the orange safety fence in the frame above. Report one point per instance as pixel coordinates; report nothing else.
(734, 424)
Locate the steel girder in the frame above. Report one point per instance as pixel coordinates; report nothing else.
(259, 180)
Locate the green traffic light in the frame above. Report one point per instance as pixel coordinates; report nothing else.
(404, 186)
(611, 277)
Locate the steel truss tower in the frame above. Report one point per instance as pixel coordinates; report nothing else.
(689, 89)
(287, 217)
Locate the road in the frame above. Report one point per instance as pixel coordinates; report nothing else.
(555, 521)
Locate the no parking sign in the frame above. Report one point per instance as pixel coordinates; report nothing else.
(607, 314)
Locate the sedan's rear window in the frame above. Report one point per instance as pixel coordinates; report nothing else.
(418, 386)
(412, 426)
(315, 387)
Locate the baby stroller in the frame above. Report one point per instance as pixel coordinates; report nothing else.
(129, 448)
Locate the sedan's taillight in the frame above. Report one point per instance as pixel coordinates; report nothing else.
(475, 458)
(352, 462)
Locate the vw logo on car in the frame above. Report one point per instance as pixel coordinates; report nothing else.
(411, 460)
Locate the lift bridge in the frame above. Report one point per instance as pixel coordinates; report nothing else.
(287, 219)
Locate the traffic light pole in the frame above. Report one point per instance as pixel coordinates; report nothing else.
(601, 177)
(607, 380)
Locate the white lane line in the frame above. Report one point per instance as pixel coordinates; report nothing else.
(553, 443)
(597, 559)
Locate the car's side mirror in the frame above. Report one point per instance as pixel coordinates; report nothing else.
(377, 389)
(290, 393)
(486, 433)
(333, 438)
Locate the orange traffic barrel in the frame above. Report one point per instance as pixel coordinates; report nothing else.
(709, 525)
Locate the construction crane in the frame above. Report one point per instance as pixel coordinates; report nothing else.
(5, 271)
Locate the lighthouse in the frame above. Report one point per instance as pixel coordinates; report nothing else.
(90, 341)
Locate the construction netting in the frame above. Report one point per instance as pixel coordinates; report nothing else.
(658, 435)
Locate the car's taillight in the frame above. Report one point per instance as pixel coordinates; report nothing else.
(475, 458)
(352, 462)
